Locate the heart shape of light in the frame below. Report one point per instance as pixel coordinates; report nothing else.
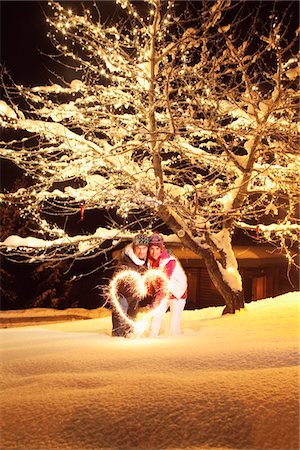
(139, 285)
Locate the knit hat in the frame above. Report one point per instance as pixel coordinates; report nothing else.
(140, 239)
(156, 239)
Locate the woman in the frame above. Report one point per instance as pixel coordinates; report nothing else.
(174, 295)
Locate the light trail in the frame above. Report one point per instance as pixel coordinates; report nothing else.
(139, 286)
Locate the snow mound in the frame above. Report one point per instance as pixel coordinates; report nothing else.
(228, 382)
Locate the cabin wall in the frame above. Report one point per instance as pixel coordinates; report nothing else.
(260, 280)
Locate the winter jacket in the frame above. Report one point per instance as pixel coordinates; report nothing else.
(129, 261)
(177, 285)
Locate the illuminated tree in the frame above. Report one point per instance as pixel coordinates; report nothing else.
(190, 118)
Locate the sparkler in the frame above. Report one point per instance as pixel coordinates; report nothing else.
(139, 286)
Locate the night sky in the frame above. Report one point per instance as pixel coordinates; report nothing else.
(24, 39)
(23, 34)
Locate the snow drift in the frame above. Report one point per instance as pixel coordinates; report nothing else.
(229, 382)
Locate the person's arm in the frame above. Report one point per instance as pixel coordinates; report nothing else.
(169, 268)
(160, 287)
(178, 280)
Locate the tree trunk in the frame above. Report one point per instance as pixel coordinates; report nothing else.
(234, 300)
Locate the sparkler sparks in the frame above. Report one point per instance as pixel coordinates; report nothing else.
(140, 286)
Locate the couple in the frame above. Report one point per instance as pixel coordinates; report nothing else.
(150, 253)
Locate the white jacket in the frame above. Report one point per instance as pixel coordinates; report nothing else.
(177, 279)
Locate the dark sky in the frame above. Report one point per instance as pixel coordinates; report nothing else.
(24, 39)
(23, 33)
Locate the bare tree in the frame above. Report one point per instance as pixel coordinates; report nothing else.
(189, 117)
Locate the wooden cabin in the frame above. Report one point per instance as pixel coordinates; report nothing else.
(263, 271)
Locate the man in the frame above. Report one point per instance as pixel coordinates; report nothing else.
(133, 257)
(174, 295)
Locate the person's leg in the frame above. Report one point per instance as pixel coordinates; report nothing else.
(176, 308)
(132, 309)
(118, 322)
(131, 313)
(157, 318)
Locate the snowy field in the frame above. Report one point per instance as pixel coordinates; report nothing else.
(229, 382)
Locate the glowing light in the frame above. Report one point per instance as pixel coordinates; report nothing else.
(140, 327)
(139, 286)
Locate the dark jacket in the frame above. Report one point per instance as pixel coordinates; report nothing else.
(129, 261)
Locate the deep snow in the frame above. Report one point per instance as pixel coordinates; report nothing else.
(228, 382)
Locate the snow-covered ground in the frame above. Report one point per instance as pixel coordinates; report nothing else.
(229, 382)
